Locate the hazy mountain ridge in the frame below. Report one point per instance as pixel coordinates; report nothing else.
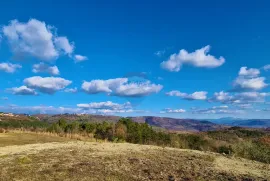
(253, 123)
(172, 124)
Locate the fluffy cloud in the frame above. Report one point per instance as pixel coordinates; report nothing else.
(103, 108)
(217, 110)
(169, 110)
(47, 85)
(71, 90)
(41, 67)
(249, 84)
(80, 58)
(62, 44)
(199, 58)
(238, 98)
(105, 105)
(41, 109)
(35, 38)
(23, 90)
(249, 80)
(266, 67)
(9, 67)
(121, 87)
(252, 72)
(201, 95)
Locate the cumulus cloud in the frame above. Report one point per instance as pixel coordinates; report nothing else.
(102, 108)
(266, 67)
(121, 87)
(239, 98)
(23, 90)
(105, 105)
(248, 80)
(199, 58)
(71, 90)
(63, 44)
(40, 109)
(217, 110)
(249, 84)
(47, 85)
(37, 39)
(80, 58)
(41, 67)
(252, 72)
(9, 67)
(169, 110)
(200, 95)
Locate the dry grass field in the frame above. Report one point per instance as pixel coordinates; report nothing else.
(28, 156)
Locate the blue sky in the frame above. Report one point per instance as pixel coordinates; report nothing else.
(165, 58)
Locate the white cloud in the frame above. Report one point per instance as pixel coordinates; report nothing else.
(104, 108)
(47, 85)
(80, 58)
(37, 39)
(222, 96)
(41, 109)
(217, 110)
(105, 105)
(248, 80)
(9, 67)
(62, 44)
(34, 38)
(71, 90)
(23, 90)
(199, 58)
(249, 84)
(41, 67)
(252, 72)
(200, 95)
(121, 87)
(160, 53)
(239, 98)
(169, 110)
(245, 106)
(266, 67)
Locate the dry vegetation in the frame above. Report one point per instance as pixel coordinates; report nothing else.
(55, 158)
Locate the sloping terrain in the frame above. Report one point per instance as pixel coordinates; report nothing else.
(78, 160)
(162, 122)
(251, 123)
(181, 124)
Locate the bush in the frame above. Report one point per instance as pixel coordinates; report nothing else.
(253, 151)
(225, 150)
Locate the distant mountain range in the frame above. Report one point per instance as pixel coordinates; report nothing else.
(252, 123)
(172, 124)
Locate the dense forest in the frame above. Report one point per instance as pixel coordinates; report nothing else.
(252, 144)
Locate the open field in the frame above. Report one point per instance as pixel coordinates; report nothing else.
(58, 159)
(17, 138)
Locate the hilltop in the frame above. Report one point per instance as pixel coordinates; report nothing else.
(65, 159)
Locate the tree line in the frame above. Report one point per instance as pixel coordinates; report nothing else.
(250, 144)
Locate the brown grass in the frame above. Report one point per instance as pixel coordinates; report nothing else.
(79, 160)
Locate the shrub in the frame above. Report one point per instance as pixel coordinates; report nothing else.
(225, 150)
(253, 150)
